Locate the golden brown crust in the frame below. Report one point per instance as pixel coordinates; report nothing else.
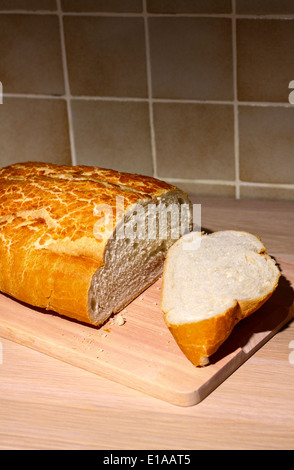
(57, 202)
(48, 250)
(200, 340)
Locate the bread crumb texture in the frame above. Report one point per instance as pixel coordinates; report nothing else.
(208, 290)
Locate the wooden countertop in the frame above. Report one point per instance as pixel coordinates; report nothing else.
(47, 404)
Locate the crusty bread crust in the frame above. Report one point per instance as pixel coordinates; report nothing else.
(48, 250)
(200, 339)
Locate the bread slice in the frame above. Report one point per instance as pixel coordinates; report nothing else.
(76, 239)
(206, 291)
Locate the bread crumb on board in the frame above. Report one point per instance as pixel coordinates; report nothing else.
(119, 319)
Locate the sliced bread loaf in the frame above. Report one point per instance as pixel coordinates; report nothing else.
(208, 290)
(76, 239)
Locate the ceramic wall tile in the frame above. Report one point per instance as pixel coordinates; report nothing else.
(30, 54)
(189, 6)
(34, 130)
(107, 57)
(194, 92)
(191, 58)
(194, 141)
(102, 5)
(264, 59)
(266, 144)
(267, 193)
(29, 5)
(264, 7)
(113, 135)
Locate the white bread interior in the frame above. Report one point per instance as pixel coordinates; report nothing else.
(133, 264)
(208, 290)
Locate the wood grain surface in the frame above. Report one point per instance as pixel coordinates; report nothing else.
(46, 403)
(136, 349)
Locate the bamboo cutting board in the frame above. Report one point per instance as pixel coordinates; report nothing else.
(135, 347)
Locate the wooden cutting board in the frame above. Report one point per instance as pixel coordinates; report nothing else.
(141, 353)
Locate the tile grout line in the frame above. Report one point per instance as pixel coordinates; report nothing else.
(67, 95)
(198, 181)
(262, 16)
(235, 103)
(146, 100)
(129, 14)
(267, 185)
(33, 96)
(229, 183)
(150, 93)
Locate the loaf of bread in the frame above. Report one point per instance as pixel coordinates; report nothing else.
(207, 290)
(72, 238)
